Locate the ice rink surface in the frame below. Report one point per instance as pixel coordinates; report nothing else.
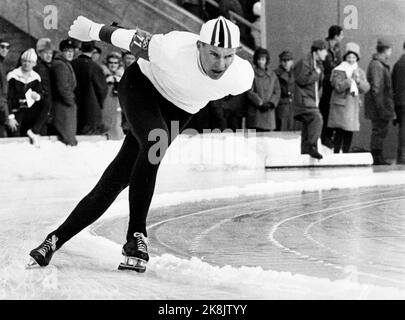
(216, 233)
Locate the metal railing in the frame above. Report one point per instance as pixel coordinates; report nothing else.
(235, 17)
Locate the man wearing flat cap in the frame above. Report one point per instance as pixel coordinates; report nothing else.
(284, 111)
(308, 74)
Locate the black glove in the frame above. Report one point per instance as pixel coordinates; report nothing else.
(267, 106)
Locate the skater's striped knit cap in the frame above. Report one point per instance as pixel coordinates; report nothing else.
(220, 33)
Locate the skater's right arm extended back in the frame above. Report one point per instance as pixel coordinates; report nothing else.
(135, 40)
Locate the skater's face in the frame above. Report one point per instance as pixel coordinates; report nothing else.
(46, 55)
(69, 54)
(215, 61)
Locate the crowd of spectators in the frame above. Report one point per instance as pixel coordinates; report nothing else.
(64, 92)
(74, 91)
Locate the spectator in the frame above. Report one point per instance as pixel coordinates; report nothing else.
(398, 81)
(45, 51)
(96, 54)
(90, 92)
(63, 81)
(333, 59)
(4, 49)
(230, 5)
(196, 7)
(348, 82)
(256, 33)
(285, 110)
(128, 58)
(24, 93)
(264, 95)
(225, 6)
(112, 113)
(228, 112)
(379, 103)
(308, 74)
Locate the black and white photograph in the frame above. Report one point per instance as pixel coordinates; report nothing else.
(219, 151)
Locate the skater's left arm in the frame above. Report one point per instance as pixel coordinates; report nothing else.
(135, 40)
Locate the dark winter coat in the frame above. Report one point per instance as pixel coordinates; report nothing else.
(306, 99)
(398, 85)
(379, 101)
(266, 89)
(285, 111)
(44, 71)
(64, 112)
(332, 60)
(3, 93)
(90, 92)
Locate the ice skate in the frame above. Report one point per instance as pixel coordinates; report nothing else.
(42, 255)
(135, 253)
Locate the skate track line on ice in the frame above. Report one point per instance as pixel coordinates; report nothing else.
(363, 205)
(353, 207)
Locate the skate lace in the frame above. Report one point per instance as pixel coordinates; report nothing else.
(141, 242)
(49, 244)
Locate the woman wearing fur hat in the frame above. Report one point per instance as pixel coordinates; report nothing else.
(348, 82)
(24, 91)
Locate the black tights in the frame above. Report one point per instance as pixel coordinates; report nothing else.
(145, 110)
(342, 140)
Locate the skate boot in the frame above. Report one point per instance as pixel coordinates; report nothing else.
(42, 255)
(135, 253)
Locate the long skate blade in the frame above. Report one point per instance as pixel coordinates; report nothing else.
(133, 264)
(32, 264)
(124, 266)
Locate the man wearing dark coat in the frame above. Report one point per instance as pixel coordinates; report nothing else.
(90, 92)
(63, 79)
(4, 49)
(333, 59)
(308, 74)
(43, 68)
(398, 83)
(285, 109)
(379, 101)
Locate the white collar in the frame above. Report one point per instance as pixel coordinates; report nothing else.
(18, 75)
